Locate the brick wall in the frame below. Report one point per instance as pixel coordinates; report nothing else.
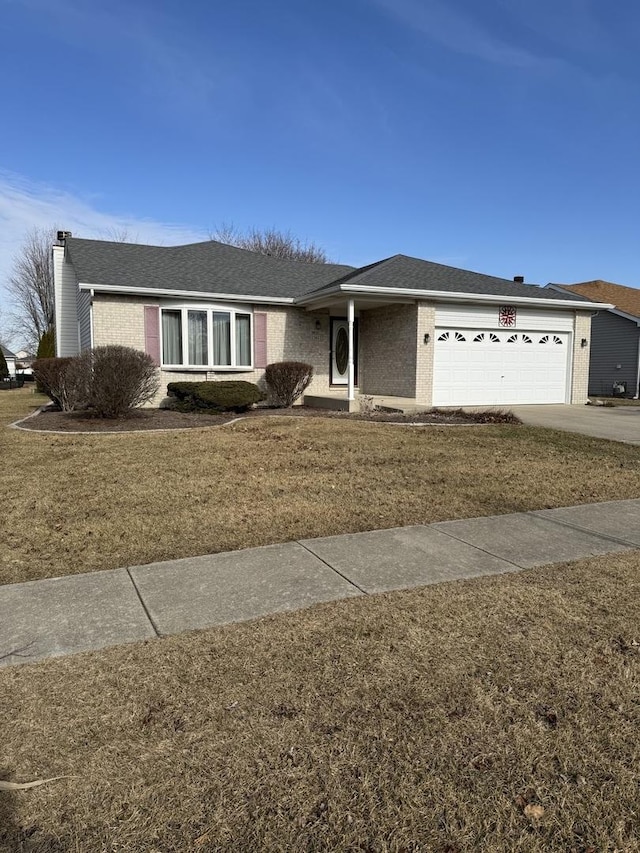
(291, 336)
(388, 353)
(424, 353)
(580, 375)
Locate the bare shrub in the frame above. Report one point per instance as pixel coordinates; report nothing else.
(367, 406)
(121, 379)
(50, 374)
(286, 381)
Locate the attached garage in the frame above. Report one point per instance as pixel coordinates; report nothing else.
(478, 362)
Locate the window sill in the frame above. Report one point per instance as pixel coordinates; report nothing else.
(203, 368)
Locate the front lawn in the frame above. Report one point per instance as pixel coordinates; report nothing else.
(490, 715)
(78, 503)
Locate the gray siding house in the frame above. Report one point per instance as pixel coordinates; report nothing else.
(614, 364)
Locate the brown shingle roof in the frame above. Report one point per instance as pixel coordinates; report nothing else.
(626, 299)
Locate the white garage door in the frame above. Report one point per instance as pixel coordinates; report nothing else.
(481, 367)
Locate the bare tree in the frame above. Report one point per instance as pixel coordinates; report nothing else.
(272, 242)
(117, 234)
(31, 286)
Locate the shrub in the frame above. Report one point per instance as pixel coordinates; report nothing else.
(488, 416)
(4, 370)
(109, 380)
(235, 396)
(119, 379)
(47, 345)
(286, 381)
(50, 374)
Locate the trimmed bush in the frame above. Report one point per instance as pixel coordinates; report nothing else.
(110, 380)
(119, 379)
(286, 381)
(47, 345)
(50, 374)
(233, 396)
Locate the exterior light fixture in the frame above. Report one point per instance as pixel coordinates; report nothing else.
(318, 325)
(583, 343)
(427, 337)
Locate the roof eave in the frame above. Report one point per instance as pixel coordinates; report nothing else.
(186, 294)
(448, 296)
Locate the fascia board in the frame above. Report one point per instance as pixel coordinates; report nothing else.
(187, 294)
(458, 296)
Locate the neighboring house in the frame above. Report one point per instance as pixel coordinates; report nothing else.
(615, 336)
(400, 327)
(10, 359)
(24, 358)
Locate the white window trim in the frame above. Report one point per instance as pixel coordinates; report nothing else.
(210, 308)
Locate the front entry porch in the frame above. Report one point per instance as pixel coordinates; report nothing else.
(338, 401)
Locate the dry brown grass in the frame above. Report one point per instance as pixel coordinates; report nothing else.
(79, 503)
(421, 720)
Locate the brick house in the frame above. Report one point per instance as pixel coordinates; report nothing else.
(401, 327)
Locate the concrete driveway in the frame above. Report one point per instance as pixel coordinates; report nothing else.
(620, 423)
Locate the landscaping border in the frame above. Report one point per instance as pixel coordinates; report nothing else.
(16, 425)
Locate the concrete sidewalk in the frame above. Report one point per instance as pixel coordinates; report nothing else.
(61, 616)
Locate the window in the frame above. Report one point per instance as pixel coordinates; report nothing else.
(216, 337)
(197, 336)
(172, 337)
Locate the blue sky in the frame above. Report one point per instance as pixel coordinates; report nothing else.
(499, 136)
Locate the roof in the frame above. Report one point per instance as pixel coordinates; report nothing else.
(209, 267)
(406, 273)
(216, 268)
(625, 299)
(6, 352)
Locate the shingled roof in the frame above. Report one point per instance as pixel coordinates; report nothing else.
(6, 352)
(406, 273)
(625, 299)
(209, 267)
(216, 268)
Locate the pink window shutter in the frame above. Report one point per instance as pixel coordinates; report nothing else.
(259, 340)
(152, 332)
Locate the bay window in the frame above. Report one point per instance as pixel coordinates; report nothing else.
(209, 337)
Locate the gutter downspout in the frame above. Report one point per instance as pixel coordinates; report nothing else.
(350, 363)
(91, 319)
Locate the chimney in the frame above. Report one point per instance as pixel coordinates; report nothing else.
(517, 278)
(62, 236)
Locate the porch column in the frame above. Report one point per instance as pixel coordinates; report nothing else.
(351, 395)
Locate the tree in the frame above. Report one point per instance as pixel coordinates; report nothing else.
(31, 286)
(47, 345)
(272, 242)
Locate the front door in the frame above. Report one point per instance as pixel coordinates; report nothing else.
(340, 351)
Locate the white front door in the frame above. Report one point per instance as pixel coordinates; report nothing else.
(488, 367)
(340, 351)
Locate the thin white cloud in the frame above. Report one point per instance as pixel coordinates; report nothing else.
(25, 204)
(461, 33)
(166, 61)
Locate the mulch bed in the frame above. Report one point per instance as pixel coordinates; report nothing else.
(158, 419)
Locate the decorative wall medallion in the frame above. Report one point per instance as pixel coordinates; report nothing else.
(506, 316)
